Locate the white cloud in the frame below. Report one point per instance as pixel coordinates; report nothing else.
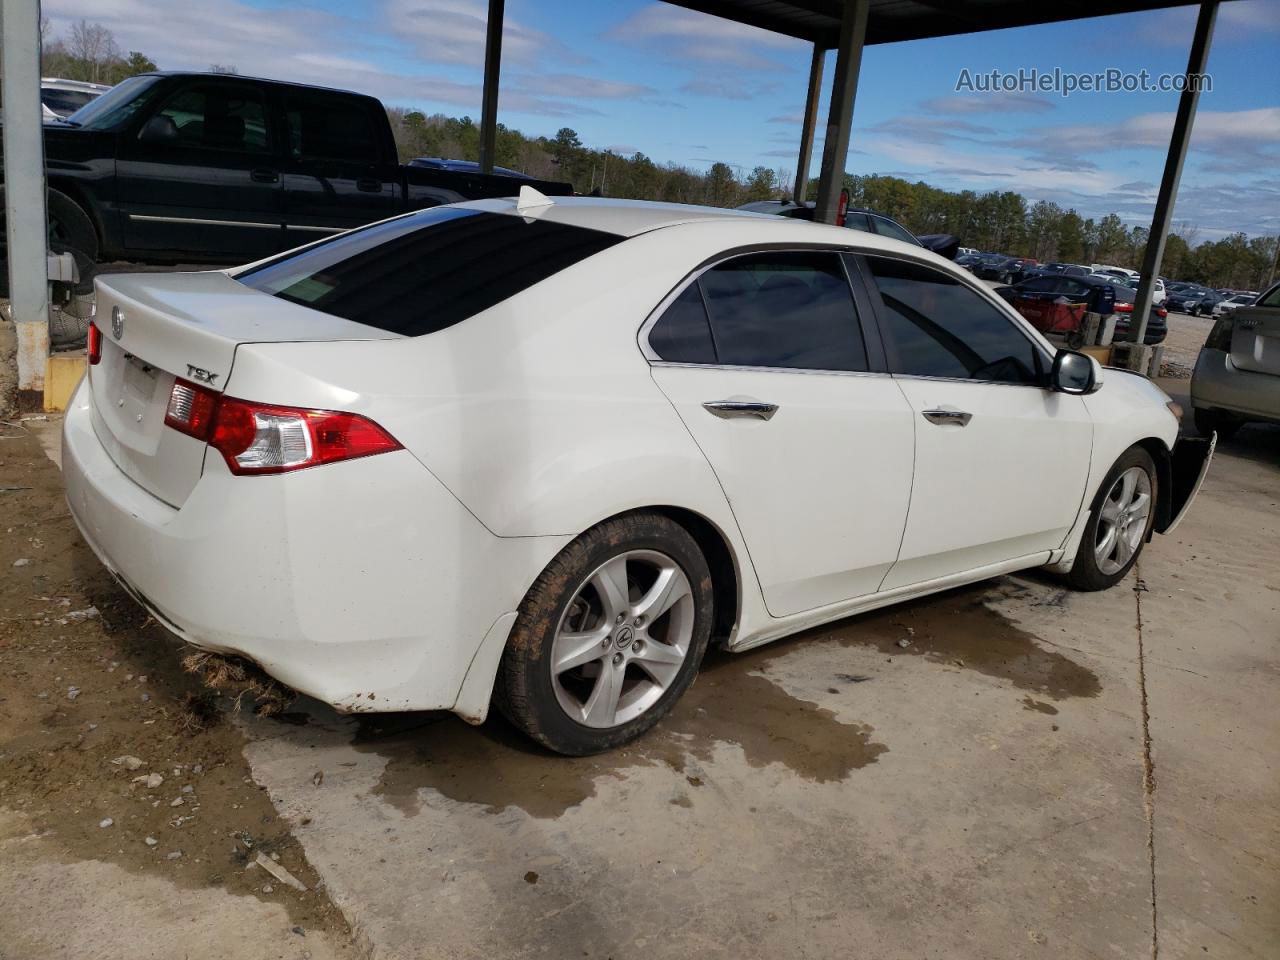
(996, 102)
(685, 35)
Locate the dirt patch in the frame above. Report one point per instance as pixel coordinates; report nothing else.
(106, 745)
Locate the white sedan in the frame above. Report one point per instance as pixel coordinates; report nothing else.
(541, 454)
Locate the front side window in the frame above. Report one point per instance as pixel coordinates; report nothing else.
(218, 118)
(791, 310)
(328, 128)
(936, 326)
(427, 271)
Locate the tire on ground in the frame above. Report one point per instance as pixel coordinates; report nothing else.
(1085, 573)
(525, 691)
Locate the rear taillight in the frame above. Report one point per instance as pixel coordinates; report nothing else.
(94, 345)
(1161, 312)
(259, 438)
(191, 409)
(1124, 308)
(1220, 336)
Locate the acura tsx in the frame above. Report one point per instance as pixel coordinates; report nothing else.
(541, 453)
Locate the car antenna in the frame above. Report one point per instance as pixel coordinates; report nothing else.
(531, 199)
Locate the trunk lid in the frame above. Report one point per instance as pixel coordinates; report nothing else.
(1255, 340)
(157, 327)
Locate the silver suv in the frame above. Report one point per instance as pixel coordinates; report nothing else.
(1237, 375)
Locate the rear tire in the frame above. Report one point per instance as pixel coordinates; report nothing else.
(1119, 523)
(1209, 422)
(609, 636)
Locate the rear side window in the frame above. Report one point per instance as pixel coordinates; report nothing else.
(935, 326)
(1271, 298)
(683, 333)
(427, 271)
(790, 309)
(329, 128)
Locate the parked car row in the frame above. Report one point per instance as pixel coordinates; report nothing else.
(1080, 290)
(860, 218)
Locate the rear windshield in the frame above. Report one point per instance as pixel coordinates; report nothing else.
(427, 271)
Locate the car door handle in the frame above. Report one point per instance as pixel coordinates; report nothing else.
(732, 409)
(262, 175)
(947, 418)
(369, 185)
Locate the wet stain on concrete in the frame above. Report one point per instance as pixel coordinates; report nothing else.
(1039, 706)
(958, 629)
(732, 702)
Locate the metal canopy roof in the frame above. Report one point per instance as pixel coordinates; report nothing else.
(889, 21)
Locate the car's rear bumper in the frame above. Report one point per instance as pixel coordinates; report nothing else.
(1218, 384)
(364, 584)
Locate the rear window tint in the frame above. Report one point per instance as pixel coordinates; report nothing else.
(425, 272)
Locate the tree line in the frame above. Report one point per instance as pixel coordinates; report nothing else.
(1002, 221)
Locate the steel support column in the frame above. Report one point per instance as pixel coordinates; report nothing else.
(1182, 123)
(844, 87)
(492, 72)
(24, 196)
(810, 121)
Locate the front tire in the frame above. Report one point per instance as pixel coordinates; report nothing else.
(609, 636)
(1120, 522)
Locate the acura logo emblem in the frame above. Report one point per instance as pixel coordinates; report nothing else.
(117, 323)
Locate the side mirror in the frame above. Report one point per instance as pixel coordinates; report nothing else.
(159, 129)
(1075, 374)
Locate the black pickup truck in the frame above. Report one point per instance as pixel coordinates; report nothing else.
(214, 168)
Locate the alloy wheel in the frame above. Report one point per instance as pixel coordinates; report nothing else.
(622, 639)
(1122, 520)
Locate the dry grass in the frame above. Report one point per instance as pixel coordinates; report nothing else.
(235, 678)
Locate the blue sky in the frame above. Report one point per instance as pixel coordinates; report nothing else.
(683, 87)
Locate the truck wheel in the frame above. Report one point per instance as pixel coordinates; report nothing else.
(69, 229)
(608, 637)
(70, 226)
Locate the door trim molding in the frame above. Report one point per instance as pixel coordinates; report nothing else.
(256, 224)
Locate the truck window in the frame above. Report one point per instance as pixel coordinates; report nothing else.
(329, 128)
(218, 118)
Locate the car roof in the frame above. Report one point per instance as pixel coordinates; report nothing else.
(629, 218)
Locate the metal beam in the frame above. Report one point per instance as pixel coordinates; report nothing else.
(844, 88)
(1182, 123)
(492, 73)
(26, 225)
(810, 121)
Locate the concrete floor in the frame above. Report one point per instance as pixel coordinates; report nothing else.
(1038, 773)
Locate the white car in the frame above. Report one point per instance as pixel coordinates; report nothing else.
(1131, 278)
(544, 453)
(60, 98)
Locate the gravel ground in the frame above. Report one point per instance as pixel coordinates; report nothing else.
(1186, 336)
